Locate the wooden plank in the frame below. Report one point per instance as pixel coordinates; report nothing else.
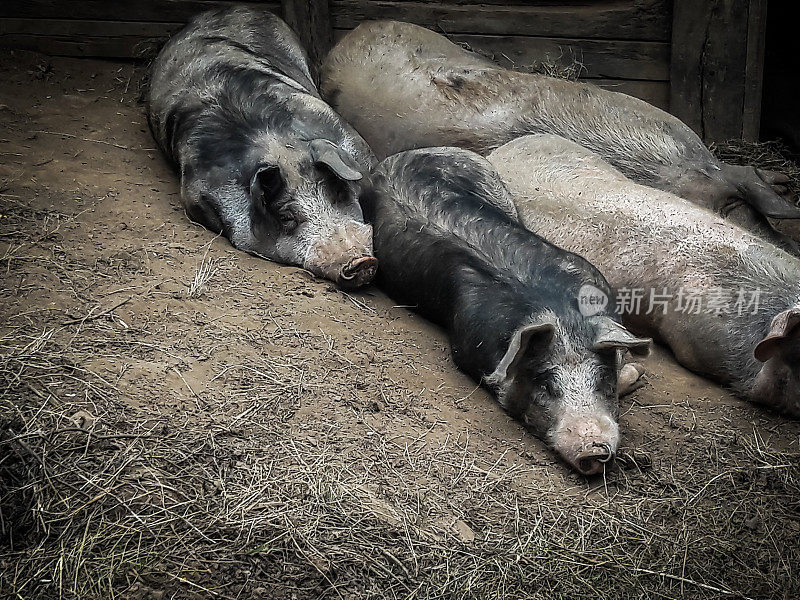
(723, 71)
(178, 11)
(708, 67)
(689, 27)
(311, 21)
(108, 39)
(108, 32)
(754, 69)
(724, 62)
(647, 20)
(780, 118)
(618, 59)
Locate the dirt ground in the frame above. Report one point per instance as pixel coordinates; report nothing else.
(181, 420)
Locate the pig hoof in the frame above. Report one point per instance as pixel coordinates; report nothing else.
(772, 177)
(777, 181)
(630, 378)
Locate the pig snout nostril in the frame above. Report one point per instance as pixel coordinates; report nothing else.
(359, 271)
(355, 266)
(595, 460)
(609, 453)
(587, 465)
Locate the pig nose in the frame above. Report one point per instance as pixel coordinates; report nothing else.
(359, 271)
(594, 460)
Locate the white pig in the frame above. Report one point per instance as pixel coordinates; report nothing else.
(743, 332)
(403, 86)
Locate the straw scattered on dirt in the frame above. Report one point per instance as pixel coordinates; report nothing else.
(225, 499)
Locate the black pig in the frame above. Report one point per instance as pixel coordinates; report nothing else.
(448, 244)
(262, 158)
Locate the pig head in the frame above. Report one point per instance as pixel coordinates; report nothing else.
(559, 377)
(778, 382)
(297, 204)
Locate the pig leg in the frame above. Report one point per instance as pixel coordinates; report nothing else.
(630, 378)
(764, 193)
(742, 197)
(762, 190)
(790, 228)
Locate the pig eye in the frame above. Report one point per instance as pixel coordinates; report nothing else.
(549, 387)
(546, 383)
(287, 220)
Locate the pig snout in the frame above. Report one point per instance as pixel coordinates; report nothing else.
(358, 271)
(344, 255)
(588, 442)
(592, 462)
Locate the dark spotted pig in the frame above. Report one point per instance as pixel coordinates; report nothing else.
(262, 158)
(507, 298)
(725, 301)
(402, 87)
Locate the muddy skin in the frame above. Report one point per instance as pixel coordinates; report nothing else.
(641, 238)
(403, 86)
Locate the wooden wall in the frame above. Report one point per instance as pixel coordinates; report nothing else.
(700, 59)
(623, 46)
(99, 28)
(717, 66)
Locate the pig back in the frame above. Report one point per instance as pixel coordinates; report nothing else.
(438, 219)
(403, 86)
(649, 240)
(218, 52)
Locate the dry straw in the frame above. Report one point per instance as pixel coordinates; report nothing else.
(97, 502)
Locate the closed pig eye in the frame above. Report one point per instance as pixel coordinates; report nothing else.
(549, 386)
(545, 382)
(287, 219)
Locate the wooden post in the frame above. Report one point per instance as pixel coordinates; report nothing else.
(754, 69)
(717, 66)
(311, 21)
(689, 28)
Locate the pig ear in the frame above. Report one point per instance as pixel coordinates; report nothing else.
(542, 329)
(785, 325)
(267, 183)
(325, 152)
(610, 334)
